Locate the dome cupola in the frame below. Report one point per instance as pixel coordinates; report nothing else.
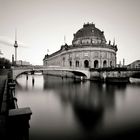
(89, 35)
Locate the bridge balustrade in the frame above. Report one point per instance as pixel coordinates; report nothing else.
(17, 71)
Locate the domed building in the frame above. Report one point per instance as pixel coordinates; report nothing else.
(89, 49)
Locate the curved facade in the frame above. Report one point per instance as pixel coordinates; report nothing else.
(89, 49)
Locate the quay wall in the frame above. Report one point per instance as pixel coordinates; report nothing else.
(109, 76)
(12, 118)
(94, 75)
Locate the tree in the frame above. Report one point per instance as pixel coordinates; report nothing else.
(5, 63)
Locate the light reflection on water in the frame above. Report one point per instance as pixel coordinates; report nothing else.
(72, 109)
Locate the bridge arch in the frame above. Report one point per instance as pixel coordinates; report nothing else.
(84, 73)
(77, 72)
(18, 72)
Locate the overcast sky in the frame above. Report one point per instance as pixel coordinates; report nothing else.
(42, 25)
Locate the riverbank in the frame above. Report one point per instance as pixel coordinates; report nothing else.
(3, 77)
(12, 118)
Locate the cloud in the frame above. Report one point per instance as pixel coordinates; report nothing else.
(8, 42)
(1, 53)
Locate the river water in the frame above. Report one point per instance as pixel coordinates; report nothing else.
(68, 109)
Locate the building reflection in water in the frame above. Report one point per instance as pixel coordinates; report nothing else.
(33, 81)
(78, 108)
(89, 100)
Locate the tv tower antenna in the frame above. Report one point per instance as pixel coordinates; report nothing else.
(15, 45)
(64, 39)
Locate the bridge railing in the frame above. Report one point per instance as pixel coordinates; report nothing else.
(19, 70)
(58, 68)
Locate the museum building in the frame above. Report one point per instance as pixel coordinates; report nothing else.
(89, 49)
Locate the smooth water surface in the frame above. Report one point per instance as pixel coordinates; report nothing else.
(64, 108)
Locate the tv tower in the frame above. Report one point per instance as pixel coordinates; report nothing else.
(16, 45)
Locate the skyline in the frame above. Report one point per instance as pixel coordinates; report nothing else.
(44, 25)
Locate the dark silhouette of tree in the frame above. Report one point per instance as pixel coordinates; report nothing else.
(5, 63)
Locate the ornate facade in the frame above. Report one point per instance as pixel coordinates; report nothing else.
(89, 49)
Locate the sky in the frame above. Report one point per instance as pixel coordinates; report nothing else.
(42, 24)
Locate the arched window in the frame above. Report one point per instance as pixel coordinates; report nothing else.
(104, 63)
(77, 63)
(63, 61)
(86, 63)
(70, 63)
(111, 64)
(96, 64)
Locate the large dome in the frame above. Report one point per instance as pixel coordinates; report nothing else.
(89, 34)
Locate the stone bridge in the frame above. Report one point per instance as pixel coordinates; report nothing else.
(16, 71)
(86, 73)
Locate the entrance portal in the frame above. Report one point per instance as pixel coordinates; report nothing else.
(104, 64)
(86, 63)
(96, 64)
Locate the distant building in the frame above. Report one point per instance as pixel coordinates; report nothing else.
(89, 49)
(135, 64)
(22, 63)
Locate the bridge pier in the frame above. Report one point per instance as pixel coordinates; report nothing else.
(33, 81)
(26, 76)
(32, 72)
